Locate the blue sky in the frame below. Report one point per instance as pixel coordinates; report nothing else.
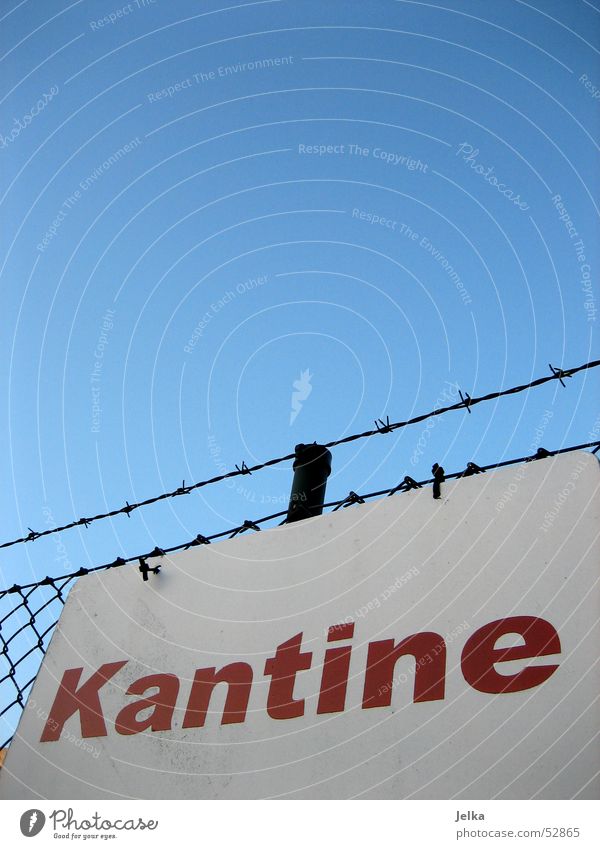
(212, 200)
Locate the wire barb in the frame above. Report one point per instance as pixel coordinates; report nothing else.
(116, 563)
(466, 402)
(559, 373)
(540, 454)
(198, 540)
(472, 469)
(351, 498)
(247, 525)
(144, 569)
(16, 671)
(406, 484)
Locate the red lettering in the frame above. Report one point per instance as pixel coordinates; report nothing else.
(238, 677)
(430, 671)
(345, 631)
(479, 654)
(478, 662)
(334, 680)
(86, 700)
(282, 668)
(163, 703)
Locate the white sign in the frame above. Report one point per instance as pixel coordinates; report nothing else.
(406, 648)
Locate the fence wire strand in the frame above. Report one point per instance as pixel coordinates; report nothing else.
(466, 403)
(29, 612)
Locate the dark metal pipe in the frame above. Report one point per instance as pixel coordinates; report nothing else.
(312, 467)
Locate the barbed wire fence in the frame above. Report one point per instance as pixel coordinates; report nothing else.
(381, 427)
(29, 612)
(34, 609)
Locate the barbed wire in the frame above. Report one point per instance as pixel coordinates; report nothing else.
(55, 590)
(254, 524)
(381, 427)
